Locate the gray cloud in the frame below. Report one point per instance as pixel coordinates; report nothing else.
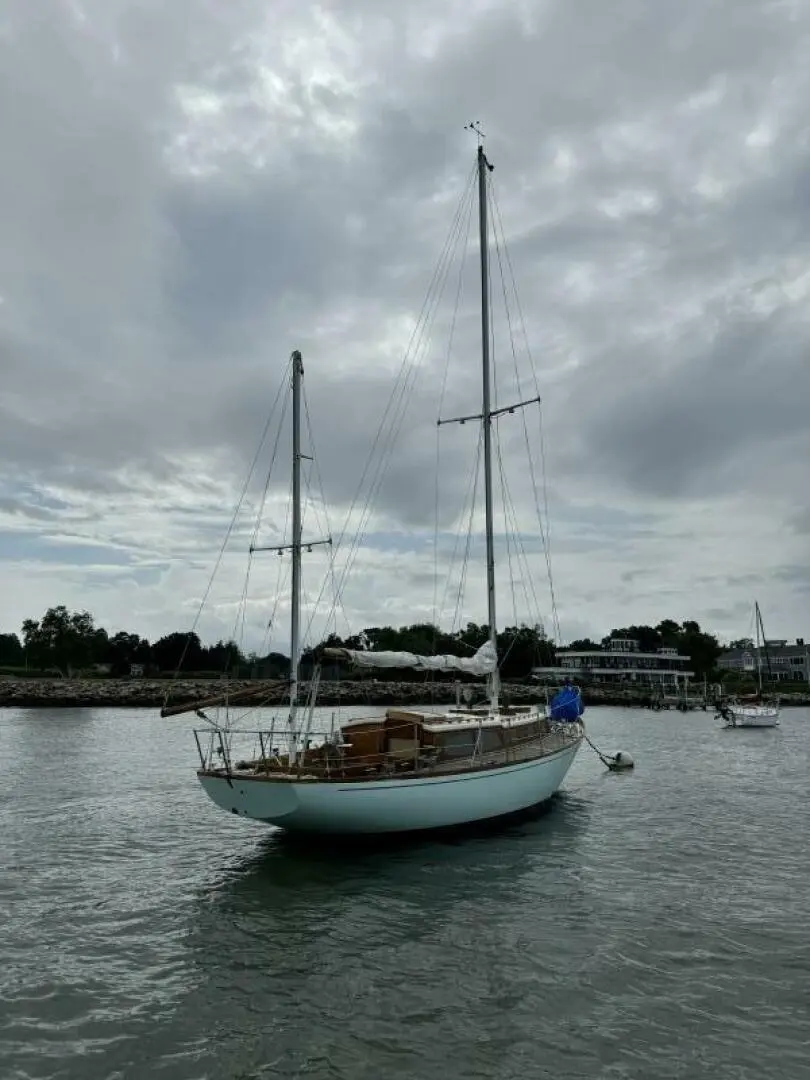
(800, 521)
(192, 190)
(674, 430)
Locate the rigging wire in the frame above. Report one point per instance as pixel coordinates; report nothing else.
(521, 556)
(282, 576)
(501, 471)
(242, 610)
(231, 525)
(511, 523)
(442, 393)
(388, 431)
(456, 623)
(544, 531)
(398, 400)
(471, 485)
(309, 502)
(315, 461)
(510, 514)
(423, 337)
(518, 382)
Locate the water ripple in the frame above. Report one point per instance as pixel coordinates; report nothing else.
(650, 925)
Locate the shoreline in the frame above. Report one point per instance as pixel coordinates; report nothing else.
(151, 693)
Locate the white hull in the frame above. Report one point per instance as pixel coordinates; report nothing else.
(393, 805)
(759, 716)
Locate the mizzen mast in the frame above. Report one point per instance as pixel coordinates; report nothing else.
(297, 545)
(295, 609)
(296, 548)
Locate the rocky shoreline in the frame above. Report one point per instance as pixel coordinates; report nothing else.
(151, 694)
(146, 693)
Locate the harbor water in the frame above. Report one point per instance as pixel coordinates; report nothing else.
(652, 923)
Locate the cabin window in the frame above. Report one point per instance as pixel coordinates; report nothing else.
(458, 744)
(455, 744)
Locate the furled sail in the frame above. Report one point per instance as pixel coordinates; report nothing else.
(484, 662)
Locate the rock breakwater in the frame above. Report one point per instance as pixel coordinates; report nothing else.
(151, 694)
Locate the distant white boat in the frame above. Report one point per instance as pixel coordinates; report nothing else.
(407, 769)
(754, 715)
(751, 711)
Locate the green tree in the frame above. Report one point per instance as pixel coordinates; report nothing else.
(124, 650)
(171, 650)
(703, 649)
(648, 637)
(521, 648)
(11, 651)
(473, 635)
(65, 640)
(224, 656)
(669, 633)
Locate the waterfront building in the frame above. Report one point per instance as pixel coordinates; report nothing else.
(621, 661)
(780, 662)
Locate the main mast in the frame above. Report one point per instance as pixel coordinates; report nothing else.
(486, 415)
(761, 636)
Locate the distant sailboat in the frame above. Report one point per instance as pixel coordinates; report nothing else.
(406, 769)
(752, 711)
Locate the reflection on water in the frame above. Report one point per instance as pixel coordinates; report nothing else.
(352, 944)
(632, 930)
(290, 875)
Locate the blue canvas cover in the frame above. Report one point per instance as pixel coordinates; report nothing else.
(566, 705)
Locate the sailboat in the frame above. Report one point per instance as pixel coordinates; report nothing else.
(404, 770)
(751, 711)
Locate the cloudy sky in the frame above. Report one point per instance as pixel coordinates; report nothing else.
(192, 189)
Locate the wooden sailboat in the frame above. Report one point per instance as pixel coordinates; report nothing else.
(405, 769)
(751, 711)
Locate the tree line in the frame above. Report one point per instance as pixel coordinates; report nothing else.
(68, 642)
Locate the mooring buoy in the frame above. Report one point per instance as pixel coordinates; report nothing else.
(622, 760)
(617, 763)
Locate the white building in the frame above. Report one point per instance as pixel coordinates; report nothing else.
(621, 661)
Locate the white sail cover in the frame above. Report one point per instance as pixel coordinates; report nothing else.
(484, 662)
